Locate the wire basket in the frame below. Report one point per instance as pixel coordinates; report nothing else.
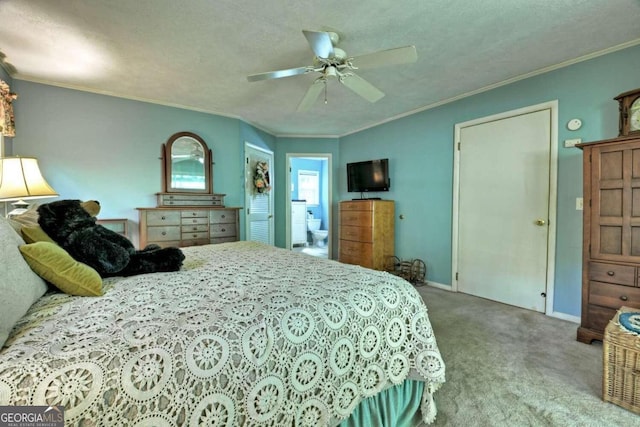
(413, 271)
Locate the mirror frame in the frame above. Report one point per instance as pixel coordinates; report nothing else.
(167, 165)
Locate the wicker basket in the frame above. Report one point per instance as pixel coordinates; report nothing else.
(621, 360)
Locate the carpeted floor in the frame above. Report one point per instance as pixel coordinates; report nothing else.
(512, 367)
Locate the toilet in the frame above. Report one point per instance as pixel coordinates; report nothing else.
(319, 236)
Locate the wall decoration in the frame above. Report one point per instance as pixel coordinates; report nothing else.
(261, 178)
(7, 119)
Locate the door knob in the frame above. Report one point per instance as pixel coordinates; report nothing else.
(540, 222)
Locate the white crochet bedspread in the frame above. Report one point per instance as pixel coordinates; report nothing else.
(245, 334)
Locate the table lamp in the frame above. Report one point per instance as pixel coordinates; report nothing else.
(20, 180)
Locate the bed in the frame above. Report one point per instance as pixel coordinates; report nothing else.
(245, 334)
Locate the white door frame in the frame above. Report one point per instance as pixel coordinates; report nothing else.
(553, 190)
(247, 190)
(322, 156)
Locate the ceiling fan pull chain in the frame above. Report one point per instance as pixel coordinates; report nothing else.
(325, 92)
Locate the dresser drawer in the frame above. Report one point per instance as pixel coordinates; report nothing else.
(189, 213)
(598, 317)
(612, 273)
(191, 200)
(195, 235)
(166, 244)
(356, 234)
(194, 221)
(355, 218)
(223, 216)
(163, 217)
(194, 228)
(163, 233)
(193, 242)
(366, 205)
(613, 296)
(356, 253)
(223, 230)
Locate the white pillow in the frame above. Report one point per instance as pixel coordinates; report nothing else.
(20, 287)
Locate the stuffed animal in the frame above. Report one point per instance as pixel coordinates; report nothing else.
(72, 225)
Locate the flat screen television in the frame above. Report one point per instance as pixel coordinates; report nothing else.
(370, 175)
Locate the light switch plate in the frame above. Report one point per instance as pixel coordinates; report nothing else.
(572, 142)
(579, 203)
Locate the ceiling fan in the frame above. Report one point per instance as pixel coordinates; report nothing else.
(331, 61)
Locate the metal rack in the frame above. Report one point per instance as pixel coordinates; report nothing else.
(413, 271)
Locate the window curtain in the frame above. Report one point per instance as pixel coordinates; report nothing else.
(7, 120)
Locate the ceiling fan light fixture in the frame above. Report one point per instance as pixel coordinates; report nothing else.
(339, 54)
(335, 38)
(330, 71)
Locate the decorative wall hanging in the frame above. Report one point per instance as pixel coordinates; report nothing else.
(7, 120)
(261, 178)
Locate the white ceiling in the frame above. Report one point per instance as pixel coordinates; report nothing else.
(196, 54)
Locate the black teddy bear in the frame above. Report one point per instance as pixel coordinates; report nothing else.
(71, 225)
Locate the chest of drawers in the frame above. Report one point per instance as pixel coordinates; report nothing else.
(168, 226)
(366, 232)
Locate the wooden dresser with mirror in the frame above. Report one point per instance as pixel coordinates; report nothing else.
(189, 212)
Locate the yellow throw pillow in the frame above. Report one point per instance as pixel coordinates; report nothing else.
(57, 267)
(33, 234)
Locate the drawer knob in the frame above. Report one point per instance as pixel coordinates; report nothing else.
(195, 221)
(195, 235)
(223, 216)
(195, 229)
(624, 297)
(223, 230)
(163, 218)
(610, 273)
(164, 233)
(193, 213)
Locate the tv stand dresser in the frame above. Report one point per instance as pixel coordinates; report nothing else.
(366, 232)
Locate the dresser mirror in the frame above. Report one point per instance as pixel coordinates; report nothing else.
(186, 161)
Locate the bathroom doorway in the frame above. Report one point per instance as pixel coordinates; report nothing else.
(308, 203)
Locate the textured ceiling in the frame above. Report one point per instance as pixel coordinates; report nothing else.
(196, 54)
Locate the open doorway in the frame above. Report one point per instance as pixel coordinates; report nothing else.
(308, 203)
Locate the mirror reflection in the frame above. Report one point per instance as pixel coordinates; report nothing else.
(187, 164)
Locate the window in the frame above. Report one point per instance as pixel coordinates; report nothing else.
(309, 187)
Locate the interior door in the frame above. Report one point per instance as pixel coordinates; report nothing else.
(259, 206)
(503, 209)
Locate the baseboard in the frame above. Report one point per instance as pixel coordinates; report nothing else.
(564, 316)
(439, 286)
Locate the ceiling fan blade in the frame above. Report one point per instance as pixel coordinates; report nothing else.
(362, 87)
(399, 55)
(279, 74)
(312, 95)
(320, 43)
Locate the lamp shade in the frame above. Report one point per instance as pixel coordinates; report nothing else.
(20, 178)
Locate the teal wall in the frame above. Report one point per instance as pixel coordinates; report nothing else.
(420, 151)
(100, 147)
(107, 148)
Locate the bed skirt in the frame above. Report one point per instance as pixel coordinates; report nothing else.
(398, 406)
